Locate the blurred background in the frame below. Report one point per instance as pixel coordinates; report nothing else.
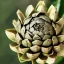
(8, 10)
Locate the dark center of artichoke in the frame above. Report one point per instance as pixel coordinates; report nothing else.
(40, 26)
(43, 26)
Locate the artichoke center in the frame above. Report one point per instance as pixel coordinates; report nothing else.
(43, 26)
(39, 26)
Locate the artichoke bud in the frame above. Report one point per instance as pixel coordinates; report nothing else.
(37, 35)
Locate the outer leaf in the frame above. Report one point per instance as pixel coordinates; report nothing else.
(11, 34)
(51, 60)
(20, 15)
(61, 38)
(52, 13)
(32, 56)
(23, 58)
(14, 47)
(61, 21)
(23, 50)
(57, 28)
(29, 10)
(41, 7)
(61, 52)
(40, 61)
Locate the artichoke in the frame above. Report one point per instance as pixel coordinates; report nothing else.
(38, 36)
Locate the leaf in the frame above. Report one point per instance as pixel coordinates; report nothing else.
(59, 60)
(10, 33)
(61, 10)
(57, 4)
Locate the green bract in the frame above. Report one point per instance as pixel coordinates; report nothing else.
(39, 36)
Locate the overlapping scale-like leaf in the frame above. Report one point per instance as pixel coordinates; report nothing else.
(11, 34)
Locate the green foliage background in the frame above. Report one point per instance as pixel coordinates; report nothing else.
(8, 10)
